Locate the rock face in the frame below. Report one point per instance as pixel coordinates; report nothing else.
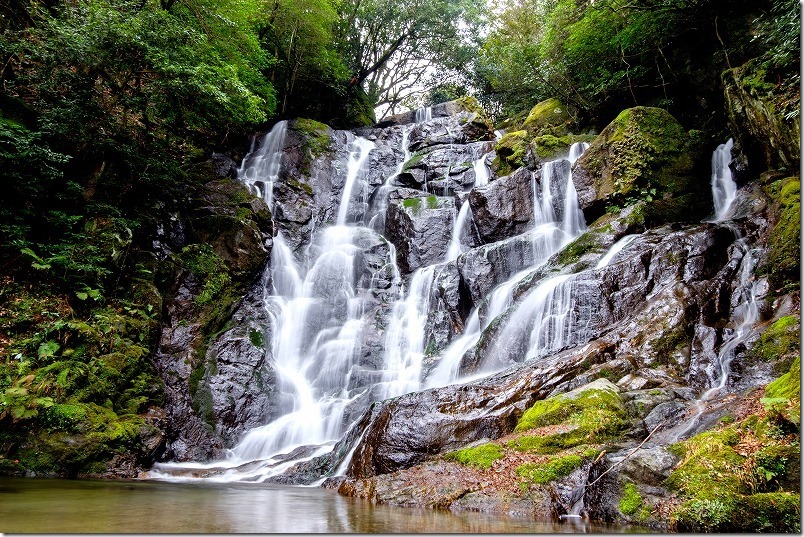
(644, 154)
(504, 207)
(421, 228)
(756, 118)
(237, 227)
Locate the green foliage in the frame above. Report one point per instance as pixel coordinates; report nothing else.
(479, 456)
(551, 470)
(202, 261)
(606, 55)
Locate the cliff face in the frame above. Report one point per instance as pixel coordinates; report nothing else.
(673, 325)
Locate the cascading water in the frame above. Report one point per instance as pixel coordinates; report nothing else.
(724, 189)
(260, 168)
(423, 114)
(456, 244)
(745, 312)
(316, 312)
(745, 315)
(548, 238)
(357, 160)
(481, 169)
(404, 342)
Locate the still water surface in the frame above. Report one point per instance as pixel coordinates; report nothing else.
(95, 506)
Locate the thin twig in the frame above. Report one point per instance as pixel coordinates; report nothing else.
(613, 466)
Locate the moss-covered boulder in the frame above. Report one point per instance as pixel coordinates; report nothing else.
(743, 476)
(589, 414)
(645, 155)
(550, 117)
(764, 116)
(510, 152)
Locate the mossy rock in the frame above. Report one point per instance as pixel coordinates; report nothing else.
(511, 150)
(590, 414)
(783, 395)
(471, 105)
(548, 147)
(732, 478)
(645, 155)
(779, 341)
(782, 263)
(764, 114)
(550, 117)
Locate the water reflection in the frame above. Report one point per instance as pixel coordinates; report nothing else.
(62, 506)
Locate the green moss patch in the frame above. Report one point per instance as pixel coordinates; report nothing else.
(783, 395)
(742, 477)
(632, 504)
(784, 243)
(779, 340)
(573, 252)
(551, 470)
(479, 456)
(586, 416)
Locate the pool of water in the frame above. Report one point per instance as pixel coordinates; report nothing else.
(129, 506)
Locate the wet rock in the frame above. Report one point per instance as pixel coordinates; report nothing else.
(649, 465)
(407, 430)
(484, 267)
(420, 229)
(503, 208)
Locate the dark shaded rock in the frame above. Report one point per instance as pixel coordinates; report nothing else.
(420, 229)
(764, 137)
(503, 208)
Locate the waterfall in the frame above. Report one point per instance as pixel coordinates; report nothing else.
(259, 169)
(357, 160)
(745, 315)
(379, 202)
(404, 342)
(481, 170)
(724, 189)
(423, 114)
(548, 238)
(615, 249)
(458, 231)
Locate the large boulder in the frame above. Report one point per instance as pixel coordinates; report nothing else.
(645, 155)
(421, 229)
(504, 207)
(550, 117)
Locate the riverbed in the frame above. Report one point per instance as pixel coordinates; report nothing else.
(35, 505)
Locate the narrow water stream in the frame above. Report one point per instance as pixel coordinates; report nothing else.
(90, 506)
